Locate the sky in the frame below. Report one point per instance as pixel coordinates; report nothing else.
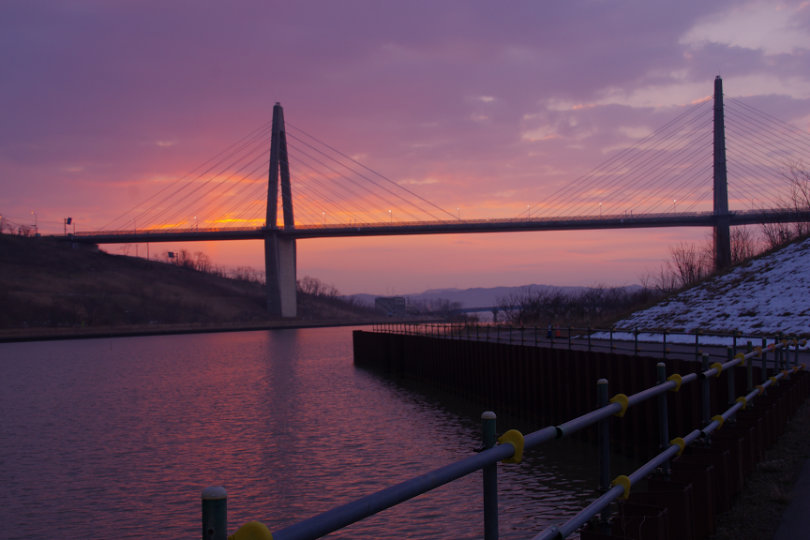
(482, 108)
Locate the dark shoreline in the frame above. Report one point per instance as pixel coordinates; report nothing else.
(56, 334)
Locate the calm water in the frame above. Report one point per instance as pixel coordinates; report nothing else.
(116, 438)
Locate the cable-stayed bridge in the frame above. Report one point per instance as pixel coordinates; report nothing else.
(677, 176)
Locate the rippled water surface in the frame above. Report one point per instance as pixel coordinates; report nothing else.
(116, 438)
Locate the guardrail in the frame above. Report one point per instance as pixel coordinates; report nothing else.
(511, 445)
(632, 341)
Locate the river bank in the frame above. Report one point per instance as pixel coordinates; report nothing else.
(10, 335)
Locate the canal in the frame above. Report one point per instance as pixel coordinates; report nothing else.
(117, 437)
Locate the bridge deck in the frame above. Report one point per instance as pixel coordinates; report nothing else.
(624, 221)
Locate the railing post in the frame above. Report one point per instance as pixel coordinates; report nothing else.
(664, 345)
(635, 341)
(778, 352)
(611, 339)
(589, 339)
(777, 359)
(697, 344)
(764, 361)
(569, 337)
(604, 445)
(796, 352)
(749, 371)
(214, 513)
(490, 479)
(663, 412)
(706, 406)
(731, 390)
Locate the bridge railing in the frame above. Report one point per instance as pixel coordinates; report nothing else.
(388, 224)
(630, 341)
(511, 445)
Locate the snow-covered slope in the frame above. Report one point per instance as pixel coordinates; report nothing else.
(768, 295)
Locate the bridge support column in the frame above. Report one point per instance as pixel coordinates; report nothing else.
(722, 232)
(279, 248)
(280, 273)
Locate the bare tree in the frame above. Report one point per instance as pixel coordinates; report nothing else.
(316, 287)
(202, 262)
(779, 234)
(743, 244)
(689, 264)
(247, 273)
(799, 178)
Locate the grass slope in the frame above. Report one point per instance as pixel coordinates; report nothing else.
(768, 294)
(50, 283)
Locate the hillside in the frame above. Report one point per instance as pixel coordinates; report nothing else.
(768, 294)
(46, 283)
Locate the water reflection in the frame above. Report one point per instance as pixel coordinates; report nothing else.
(115, 438)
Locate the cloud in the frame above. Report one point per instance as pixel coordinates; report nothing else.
(540, 133)
(484, 109)
(771, 27)
(419, 181)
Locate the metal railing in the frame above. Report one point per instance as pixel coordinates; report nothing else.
(630, 341)
(510, 447)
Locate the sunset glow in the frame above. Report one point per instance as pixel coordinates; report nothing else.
(484, 111)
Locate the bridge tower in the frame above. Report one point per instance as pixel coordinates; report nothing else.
(722, 233)
(279, 248)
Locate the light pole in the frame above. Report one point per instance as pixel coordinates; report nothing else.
(600, 209)
(390, 217)
(35, 221)
(674, 209)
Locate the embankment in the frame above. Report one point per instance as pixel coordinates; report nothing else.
(549, 386)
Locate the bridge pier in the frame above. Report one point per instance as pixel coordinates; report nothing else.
(279, 248)
(280, 274)
(722, 232)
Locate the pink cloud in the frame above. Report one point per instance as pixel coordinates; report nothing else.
(107, 100)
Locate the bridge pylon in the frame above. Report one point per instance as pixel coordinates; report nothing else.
(279, 248)
(722, 232)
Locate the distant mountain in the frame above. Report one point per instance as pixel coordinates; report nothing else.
(475, 297)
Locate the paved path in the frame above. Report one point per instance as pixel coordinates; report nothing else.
(796, 520)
